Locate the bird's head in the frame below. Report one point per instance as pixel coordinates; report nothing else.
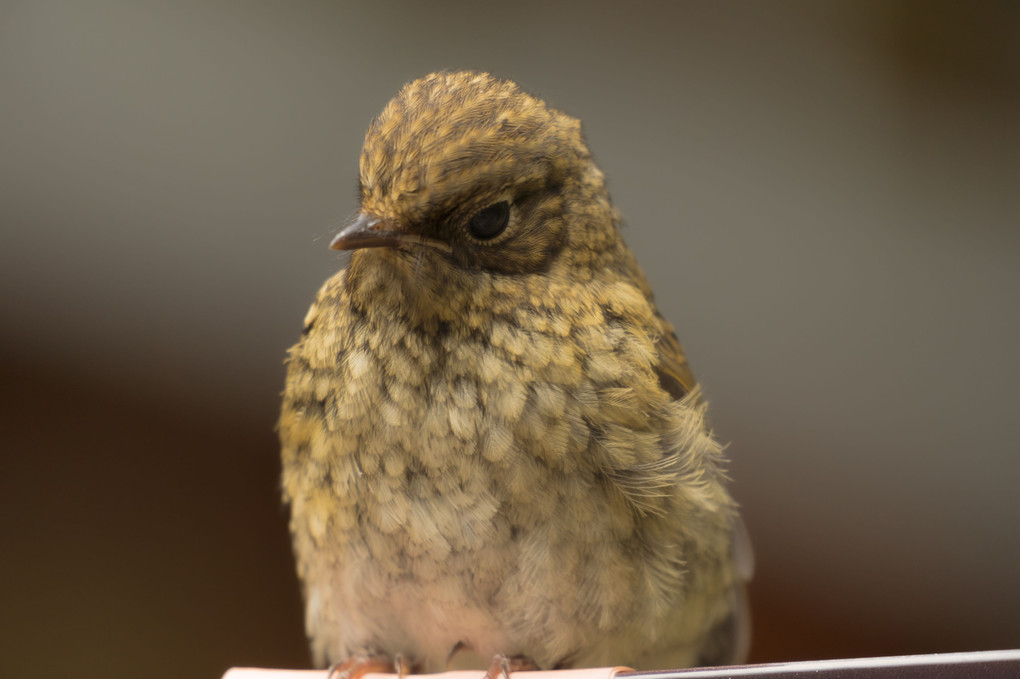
(472, 174)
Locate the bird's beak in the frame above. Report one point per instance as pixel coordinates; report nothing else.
(369, 231)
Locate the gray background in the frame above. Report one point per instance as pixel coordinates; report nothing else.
(826, 197)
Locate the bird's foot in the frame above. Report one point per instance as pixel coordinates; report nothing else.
(502, 665)
(360, 665)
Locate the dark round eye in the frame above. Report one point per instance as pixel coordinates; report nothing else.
(490, 222)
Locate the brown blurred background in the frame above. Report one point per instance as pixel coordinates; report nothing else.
(826, 197)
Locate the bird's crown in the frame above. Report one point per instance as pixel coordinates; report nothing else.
(458, 140)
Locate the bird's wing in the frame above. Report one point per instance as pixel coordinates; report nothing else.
(727, 642)
(674, 373)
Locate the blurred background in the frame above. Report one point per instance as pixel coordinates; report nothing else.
(826, 197)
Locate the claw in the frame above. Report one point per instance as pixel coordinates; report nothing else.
(502, 665)
(402, 667)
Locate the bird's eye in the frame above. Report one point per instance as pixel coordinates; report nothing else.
(490, 222)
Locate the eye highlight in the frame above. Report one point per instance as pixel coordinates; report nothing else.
(488, 223)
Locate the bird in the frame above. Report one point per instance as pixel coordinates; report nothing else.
(494, 451)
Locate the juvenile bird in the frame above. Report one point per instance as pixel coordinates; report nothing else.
(492, 444)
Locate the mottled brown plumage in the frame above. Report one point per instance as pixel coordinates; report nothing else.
(491, 438)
